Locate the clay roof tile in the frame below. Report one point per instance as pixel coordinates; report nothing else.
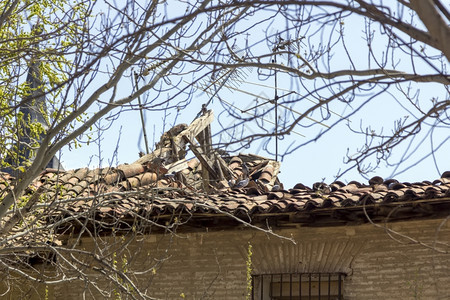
(376, 180)
(131, 170)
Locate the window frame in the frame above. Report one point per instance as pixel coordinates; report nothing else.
(311, 282)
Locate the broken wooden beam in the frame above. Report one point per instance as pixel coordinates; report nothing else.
(161, 153)
(228, 174)
(177, 166)
(204, 160)
(198, 125)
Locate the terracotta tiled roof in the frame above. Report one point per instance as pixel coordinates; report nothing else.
(148, 191)
(214, 184)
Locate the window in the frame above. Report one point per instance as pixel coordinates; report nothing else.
(297, 286)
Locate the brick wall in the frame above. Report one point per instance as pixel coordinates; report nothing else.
(400, 268)
(211, 265)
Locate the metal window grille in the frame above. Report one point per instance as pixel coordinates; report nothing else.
(297, 286)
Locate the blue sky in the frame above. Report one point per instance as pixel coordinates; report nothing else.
(316, 161)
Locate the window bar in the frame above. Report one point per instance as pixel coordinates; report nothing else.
(300, 286)
(290, 286)
(281, 285)
(329, 286)
(310, 283)
(271, 281)
(262, 286)
(339, 287)
(319, 286)
(253, 287)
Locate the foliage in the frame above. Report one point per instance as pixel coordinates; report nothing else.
(249, 272)
(36, 38)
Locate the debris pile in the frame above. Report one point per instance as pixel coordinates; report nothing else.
(211, 169)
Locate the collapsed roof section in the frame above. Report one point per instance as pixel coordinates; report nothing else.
(212, 169)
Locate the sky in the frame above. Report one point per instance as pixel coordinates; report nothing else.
(315, 161)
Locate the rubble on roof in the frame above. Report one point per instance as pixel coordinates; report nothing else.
(209, 171)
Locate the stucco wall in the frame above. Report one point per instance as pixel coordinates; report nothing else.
(212, 265)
